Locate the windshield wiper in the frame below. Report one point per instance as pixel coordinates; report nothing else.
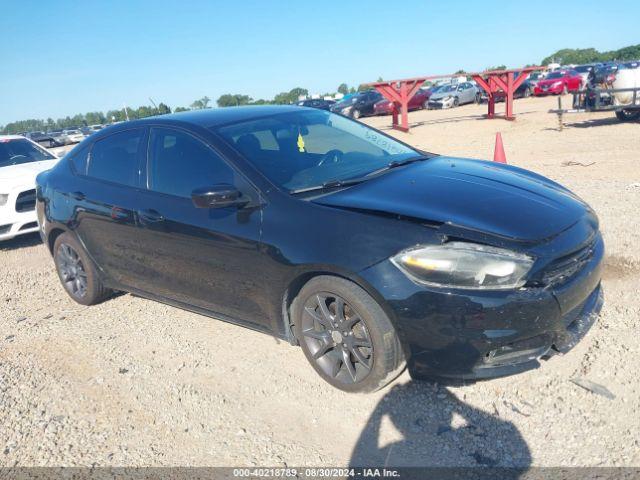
(353, 181)
(331, 184)
(397, 163)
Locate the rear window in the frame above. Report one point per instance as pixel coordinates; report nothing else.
(20, 150)
(115, 158)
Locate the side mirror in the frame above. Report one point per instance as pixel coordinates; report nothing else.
(218, 196)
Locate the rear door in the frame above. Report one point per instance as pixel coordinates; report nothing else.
(206, 257)
(105, 201)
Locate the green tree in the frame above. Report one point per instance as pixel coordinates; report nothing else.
(201, 103)
(180, 109)
(233, 100)
(163, 109)
(343, 89)
(286, 98)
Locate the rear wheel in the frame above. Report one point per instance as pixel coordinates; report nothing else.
(628, 115)
(565, 89)
(356, 114)
(456, 102)
(346, 336)
(77, 273)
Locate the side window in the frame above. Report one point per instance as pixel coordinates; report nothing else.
(180, 163)
(115, 158)
(79, 160)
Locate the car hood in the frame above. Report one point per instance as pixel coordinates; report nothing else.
(25, 173)
(549, 81)
(482, 196)
(441, 95)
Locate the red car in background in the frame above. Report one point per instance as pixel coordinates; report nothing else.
(418, 101)
(560, 81)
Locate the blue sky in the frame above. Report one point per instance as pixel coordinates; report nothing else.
(59, 58)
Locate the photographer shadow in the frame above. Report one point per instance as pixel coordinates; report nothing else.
(427, 426)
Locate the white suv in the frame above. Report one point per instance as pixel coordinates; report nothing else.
(21, 160)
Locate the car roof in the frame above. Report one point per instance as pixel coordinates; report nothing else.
(11, 137)
(213, 117)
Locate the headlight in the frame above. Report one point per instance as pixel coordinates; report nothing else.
(3, 198)
(465, 265)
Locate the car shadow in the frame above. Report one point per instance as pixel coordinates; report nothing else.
(596, 122)
(21, 241)
(431, 427)
(457, 119)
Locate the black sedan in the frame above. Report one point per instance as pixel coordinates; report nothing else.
(311, 227)
(42, 139)
(320, 103)
(360, 105)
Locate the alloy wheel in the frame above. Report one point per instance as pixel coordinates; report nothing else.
(337, 338)
(72, 271)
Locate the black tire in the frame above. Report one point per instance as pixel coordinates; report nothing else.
(354, 347)
(77, 273)
(425, 104)
(355, 114)
(527, 92)
(478, 98)
(628, 115)
(565, 89)
(456, 102)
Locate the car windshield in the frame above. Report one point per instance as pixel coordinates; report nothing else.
(583, 68)
(305, 150)
(553, 75)
(20, 150)
(447, 88)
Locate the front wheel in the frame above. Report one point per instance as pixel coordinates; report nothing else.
(346, 336)
(627, 115)
(76, 271)
(456, 102)
(356, 114)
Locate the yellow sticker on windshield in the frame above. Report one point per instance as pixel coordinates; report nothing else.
(300, 143)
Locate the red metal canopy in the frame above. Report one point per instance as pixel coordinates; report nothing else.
(400, 91)
(494, 81)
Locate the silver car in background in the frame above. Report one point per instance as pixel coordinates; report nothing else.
(450, 96)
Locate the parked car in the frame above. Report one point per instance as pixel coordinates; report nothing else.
(535, 77)
(452, 95)
(603, 75)
(524, 90)
(74, 135)
(42, 139)
(316, 103)
(585, 71)
(322, 231)
(559, 82)
(60, 137)
(21, 160)
(418, 101)
(359, 105)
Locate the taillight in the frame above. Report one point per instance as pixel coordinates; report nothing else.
(611, 78)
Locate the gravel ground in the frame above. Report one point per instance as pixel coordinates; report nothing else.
(133, 382)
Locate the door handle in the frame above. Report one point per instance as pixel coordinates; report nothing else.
(77, 196)
(118, 213)
(150, 216)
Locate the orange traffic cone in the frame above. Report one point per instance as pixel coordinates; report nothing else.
(498, 153)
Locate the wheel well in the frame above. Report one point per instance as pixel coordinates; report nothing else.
(51, 239)
(296, 285)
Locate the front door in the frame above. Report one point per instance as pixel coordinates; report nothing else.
(199, 256)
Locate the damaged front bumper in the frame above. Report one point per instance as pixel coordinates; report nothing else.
(472, 335)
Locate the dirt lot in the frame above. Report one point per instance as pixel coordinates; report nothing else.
(133, 382)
